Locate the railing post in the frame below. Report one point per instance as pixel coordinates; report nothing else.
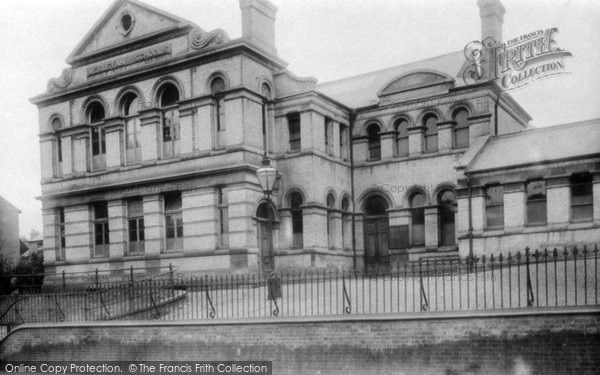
(529, 288)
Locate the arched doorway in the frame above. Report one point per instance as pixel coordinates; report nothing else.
(377, 256)
(265, 222)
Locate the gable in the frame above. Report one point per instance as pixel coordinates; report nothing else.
(125, 22)
(415, 80)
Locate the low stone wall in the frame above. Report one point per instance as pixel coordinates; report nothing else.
(503, 342)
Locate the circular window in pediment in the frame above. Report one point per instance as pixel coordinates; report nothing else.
(126, 22)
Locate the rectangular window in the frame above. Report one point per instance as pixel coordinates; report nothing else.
(294, 129)
(582, 202)
(536, 202)
(494, 207)
(98, 148)
(173, 222)
(418, 226)
(223, 217)
(62, 240)
(135, 226)
(101, 231)
(170, 132)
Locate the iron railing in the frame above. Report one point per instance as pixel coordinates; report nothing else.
(547, 278)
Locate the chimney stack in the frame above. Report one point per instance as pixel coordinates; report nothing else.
(492, 16)
(258, 23)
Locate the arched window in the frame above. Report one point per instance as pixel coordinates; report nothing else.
(446, 211)
(431, 138)
(56, 126)
(417, 214)
(376, 232)
(168, 96)
(401, 128)
(461, 128)
(345, 222)
(330, 223)
(130, 106)
(374, 142)
(296, 212)
(266, 93)
(217, 87)
(95, 116)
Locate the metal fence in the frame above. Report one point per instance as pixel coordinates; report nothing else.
(566, 277)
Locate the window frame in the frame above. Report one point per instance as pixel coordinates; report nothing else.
(60, 253)
(493, 206)
(133, 155)
(223, 217)
(295, 132)
(296, 201)
(102, 229)
(136, 247)
(530, 203)
(175, 216)
(374, 139)
(458, 127)
(417, 212)
(585, 179)
(431, 134)
(401, 137)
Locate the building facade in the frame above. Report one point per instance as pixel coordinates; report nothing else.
(9, 232)
(151, 139)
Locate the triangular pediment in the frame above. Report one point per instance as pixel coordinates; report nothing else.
(125, 22)
(415, 80)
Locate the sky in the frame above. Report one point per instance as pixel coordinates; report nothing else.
(325, 39)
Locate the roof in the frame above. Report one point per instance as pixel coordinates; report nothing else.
(361, 90)
(553, 143)
(6, 203)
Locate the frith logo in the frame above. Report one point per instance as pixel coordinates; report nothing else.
(517, 62)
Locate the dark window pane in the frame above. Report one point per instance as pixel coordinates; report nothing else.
(582, 213)
(494, 216)
(461, 137)
(417, 200)
(536, 212)
(494, 195)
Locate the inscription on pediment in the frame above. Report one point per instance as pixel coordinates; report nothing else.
(129, 61)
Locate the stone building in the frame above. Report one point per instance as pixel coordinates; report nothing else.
(151, 140)
(9, 232)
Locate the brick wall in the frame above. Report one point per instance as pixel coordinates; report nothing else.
(514, 342)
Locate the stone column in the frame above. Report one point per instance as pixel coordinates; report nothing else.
(151, 135)
(431, 227)
(285, 228)
(67, 156)
(199, 220)
(51, 235)
(80, 153)
(514, 205)
(445, 135)
(47, 157)
(335, 229)
(335, 131)
(186, 128)
(558, 201)
(360, 148)
(478, 209)
(596, 196)
(360, 233)
(479, 125)
(204, 135)
(416, 140)
(114, 130)
(387, 144)
(153, 225)
(79, 232)
(306, 130)
(314, 219)
(117, 225)
(242, 198)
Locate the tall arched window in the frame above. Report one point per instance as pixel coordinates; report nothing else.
(56, 126)
(296, 212)
(130, 106)
(376, 233)
(401, 127)
(374, 142)
(446, 211)
(168, 96)
(95, 115)
(217, 87)
(266, 93)
(417, 214)
(431, 138)
(460, 132)
(330, 223)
